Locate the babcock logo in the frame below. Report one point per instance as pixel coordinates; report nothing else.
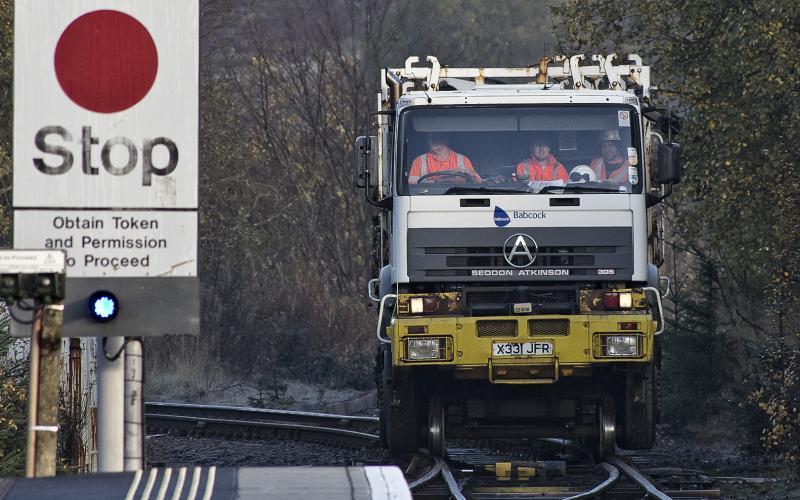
(501, 218)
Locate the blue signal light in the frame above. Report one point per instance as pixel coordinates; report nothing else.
(103, 306)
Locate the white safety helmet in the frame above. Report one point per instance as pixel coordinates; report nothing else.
(582, 173)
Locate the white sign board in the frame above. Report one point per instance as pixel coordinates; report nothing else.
(32, 261)
(110, 243)
(106, 103)
(106, 154)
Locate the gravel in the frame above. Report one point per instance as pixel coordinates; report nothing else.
(179, 450)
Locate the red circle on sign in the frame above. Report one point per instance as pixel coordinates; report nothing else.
(106, 61)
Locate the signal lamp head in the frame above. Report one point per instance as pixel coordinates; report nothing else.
(103, 306)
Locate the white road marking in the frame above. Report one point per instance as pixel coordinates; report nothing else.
(162, 492)
(134, 485)
(176, 494)
(212, 474)
(195, 483)
(151, 479)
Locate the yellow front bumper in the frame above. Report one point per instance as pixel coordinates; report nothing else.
(577, 344)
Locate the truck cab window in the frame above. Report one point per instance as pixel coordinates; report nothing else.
(521, 149)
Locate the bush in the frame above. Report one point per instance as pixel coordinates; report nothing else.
(777, 399)
(13, 405)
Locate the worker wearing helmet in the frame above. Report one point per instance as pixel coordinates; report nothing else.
(611, 165)
(440, 158)
(541, 165)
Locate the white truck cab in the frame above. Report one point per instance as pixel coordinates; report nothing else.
(517, 244)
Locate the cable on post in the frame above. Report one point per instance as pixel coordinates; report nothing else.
(119, 353)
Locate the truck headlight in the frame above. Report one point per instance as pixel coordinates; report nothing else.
(429, 304)
(428, 348)
(423, 349)
(620, 345)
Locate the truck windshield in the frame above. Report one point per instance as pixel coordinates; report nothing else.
(526, 150)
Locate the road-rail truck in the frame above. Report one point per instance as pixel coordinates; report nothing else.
(518, 299)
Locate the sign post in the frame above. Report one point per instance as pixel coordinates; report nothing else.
(38, 275)
(45, 360)
(106, 168)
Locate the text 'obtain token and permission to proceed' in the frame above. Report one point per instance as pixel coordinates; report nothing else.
(114, 243)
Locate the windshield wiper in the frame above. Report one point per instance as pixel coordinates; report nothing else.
(481, 189)
(581, 189)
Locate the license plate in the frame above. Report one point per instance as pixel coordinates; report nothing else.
(522, 349)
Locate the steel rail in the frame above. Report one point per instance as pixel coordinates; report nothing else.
(261, 424)
(183, 407)
(613, 475)
(447, 475)
(351, 422)
(638, 478)
(428, 476)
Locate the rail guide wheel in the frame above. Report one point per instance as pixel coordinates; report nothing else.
(436, 426)
(607, 429)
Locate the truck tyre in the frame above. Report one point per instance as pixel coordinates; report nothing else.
(639, 431)
(400, 413)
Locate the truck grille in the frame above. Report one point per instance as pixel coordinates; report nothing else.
(548, 327)
(496, 328)
(492, 257)
(563, 254)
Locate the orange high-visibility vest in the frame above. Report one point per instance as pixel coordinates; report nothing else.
(551, 171)
(427, 163)
(619, 175)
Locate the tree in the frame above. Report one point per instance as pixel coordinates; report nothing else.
(6, 109)
(730, 69)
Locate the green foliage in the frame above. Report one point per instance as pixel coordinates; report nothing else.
(13, 405)
(777, 395)
(6, 86)
(731, 69)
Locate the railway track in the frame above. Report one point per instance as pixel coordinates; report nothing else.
(230, 422)
(489, 470)
(463, 475)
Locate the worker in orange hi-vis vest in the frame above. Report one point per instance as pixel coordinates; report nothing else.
(541, 165)
(612, 165)
(440, 158)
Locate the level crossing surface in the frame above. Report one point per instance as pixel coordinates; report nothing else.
(204, 483)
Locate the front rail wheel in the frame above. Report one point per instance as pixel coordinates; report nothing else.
(436, 436)
(606, 429)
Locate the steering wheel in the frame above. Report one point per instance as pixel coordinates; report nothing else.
(452, 173)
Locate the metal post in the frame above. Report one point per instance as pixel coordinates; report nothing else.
(45, 385)
(134, 411)
(110, 404)
(33, 393)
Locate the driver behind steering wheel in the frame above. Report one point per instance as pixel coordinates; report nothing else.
(440, 158)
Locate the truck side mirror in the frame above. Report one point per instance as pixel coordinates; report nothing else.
(670, 169)
(365, 162)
